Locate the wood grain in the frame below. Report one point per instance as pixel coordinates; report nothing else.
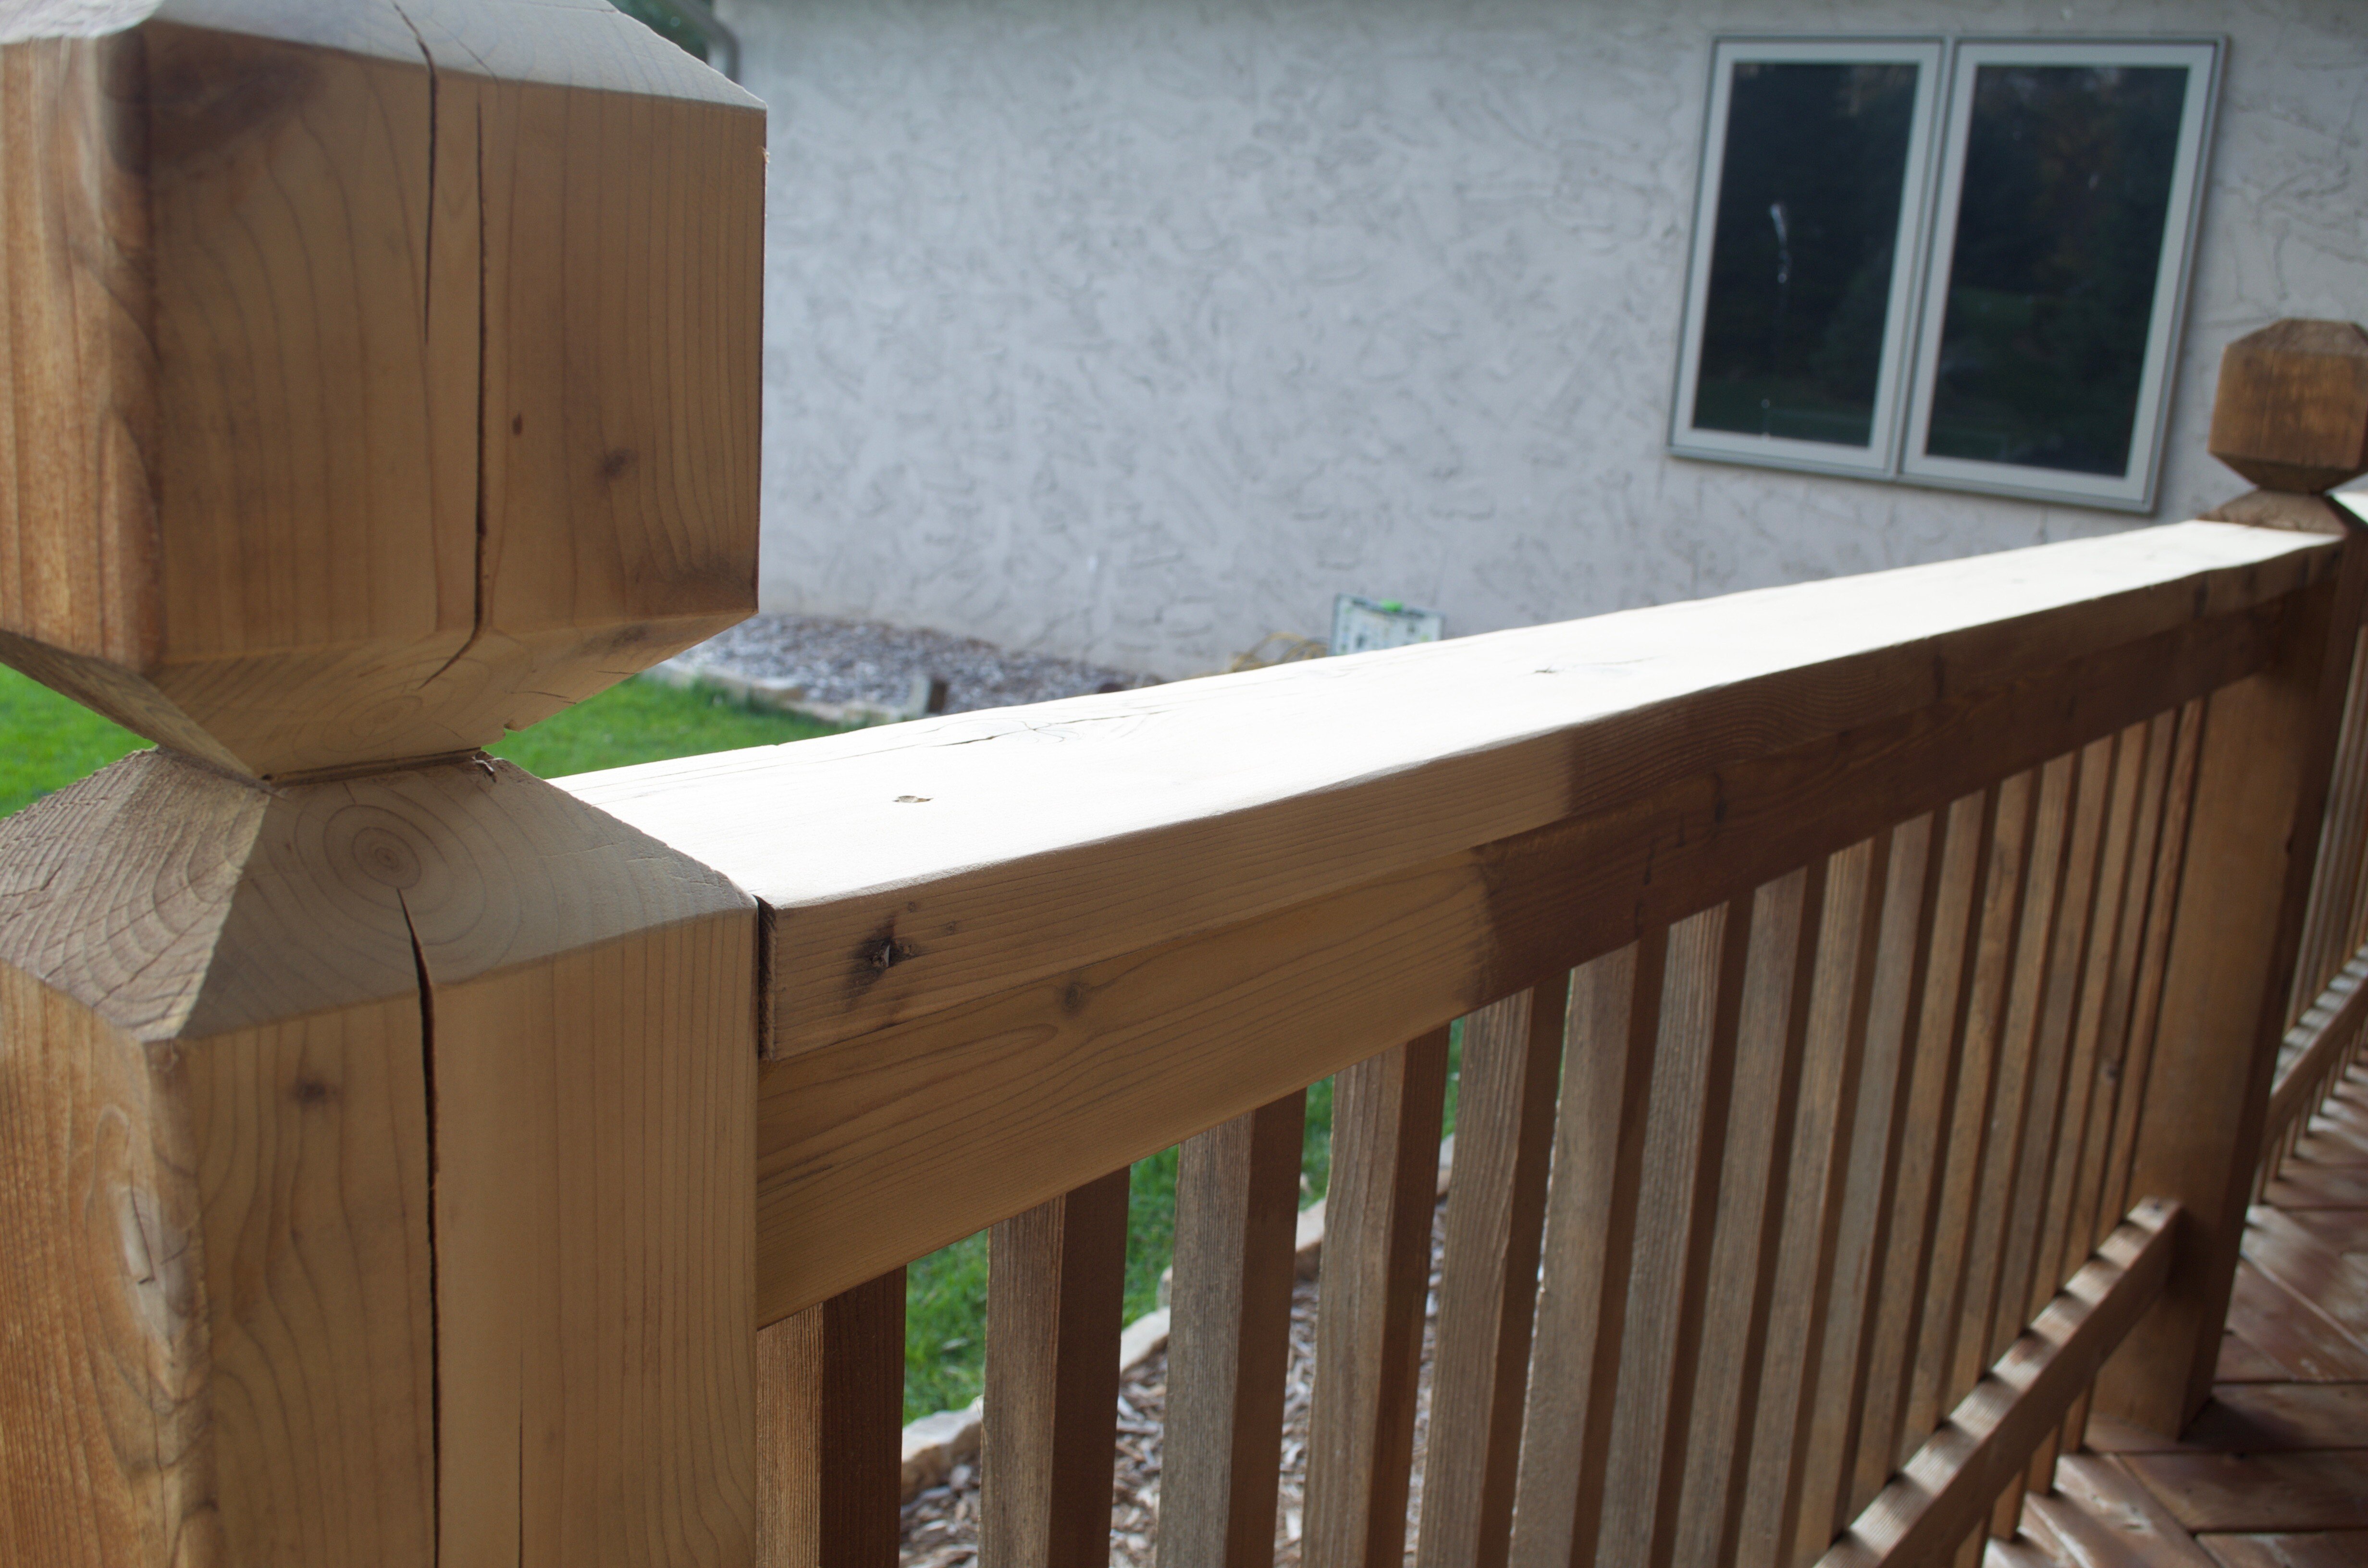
(2330, 936)
(2328, 1029)
(1771, 1033)
(1687, 1120)
(1987, 1317)
(1511, 1068)
(1892, 944)
(1385, 1124)
(919, 1123)
(1956, 869)
(2123, 1516)
(2291, 411)
(1136, 839)
(220, 1335)
(2295, 1492)
(339, 986)
(2322, 1549)
(830, 1411)
(1229, 1340)
(1947, 1487)
(1833, 1067)
(1599, 1134)
(357, 416)
(2167, 864)
(1056, 1278)
(1935, 1385)
(2260, 799)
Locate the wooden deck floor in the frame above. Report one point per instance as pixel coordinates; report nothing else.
(2274, 1473)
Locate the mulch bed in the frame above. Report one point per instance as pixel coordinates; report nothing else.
(940, 1526)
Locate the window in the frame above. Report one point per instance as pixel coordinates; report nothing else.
(1959, 265)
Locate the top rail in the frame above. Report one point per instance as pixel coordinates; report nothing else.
(913, 869)
(1008, 952)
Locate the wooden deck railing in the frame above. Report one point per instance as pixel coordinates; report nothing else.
(1873, 989)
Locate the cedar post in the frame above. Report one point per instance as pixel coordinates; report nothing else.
(376, 1121)
(2292, 415)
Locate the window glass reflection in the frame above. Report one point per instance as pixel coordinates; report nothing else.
(2052, 276)
(1800, 258)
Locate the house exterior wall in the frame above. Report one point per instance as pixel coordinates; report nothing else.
(1132, 330)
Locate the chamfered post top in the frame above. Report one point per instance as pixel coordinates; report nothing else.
(2292, 412)
(382, 375)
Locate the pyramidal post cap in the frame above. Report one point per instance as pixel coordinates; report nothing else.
(2291, 410)
(385, 375)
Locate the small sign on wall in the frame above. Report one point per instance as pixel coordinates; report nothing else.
(1361, 625)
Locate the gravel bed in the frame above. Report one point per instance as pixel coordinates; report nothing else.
(840, 661)
(940, 1526)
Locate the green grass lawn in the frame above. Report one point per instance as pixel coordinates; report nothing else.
(47, 742)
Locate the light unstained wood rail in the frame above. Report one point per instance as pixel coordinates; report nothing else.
(1257, 926)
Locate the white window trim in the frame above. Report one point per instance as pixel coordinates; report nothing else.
(1881, 455)
(1928, 196)
(2134, 490)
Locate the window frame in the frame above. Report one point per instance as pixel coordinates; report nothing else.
(1880, 457)
(1929, 194)
(2135, 490)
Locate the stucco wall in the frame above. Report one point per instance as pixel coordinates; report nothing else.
(1134, 329)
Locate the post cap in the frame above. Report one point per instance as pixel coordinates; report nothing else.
(385, 376)
(2292, 412)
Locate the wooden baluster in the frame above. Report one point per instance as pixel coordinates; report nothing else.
(1895, 965)
(2003, 1194)
(1488, 1280)
(2021, 1067)
(1590, 1230)
(830, 1412)
(1981, 1318)
(1236, 1206)
(2164, 864)
(1956, 868)
(1687, 1124)
(1784, 1441)
(2337, 885)
(2070, 1234)
(2047, 1170)
(1055, 1288)
(1770, 1034)
(2141, 769)
(1386, 1112)
(1933, 1388)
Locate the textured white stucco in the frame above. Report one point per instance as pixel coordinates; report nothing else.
(1134, 329)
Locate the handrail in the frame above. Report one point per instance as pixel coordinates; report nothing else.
(959, 857)
(1108, 889)
(403, 1158)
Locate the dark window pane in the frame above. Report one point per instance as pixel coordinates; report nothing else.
(2051, 286)
(1800, 264)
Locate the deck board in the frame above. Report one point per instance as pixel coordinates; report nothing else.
(2274, 1471)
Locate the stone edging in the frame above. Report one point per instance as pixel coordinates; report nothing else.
(935, 1444)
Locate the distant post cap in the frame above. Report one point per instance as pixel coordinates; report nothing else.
(2291, 410)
